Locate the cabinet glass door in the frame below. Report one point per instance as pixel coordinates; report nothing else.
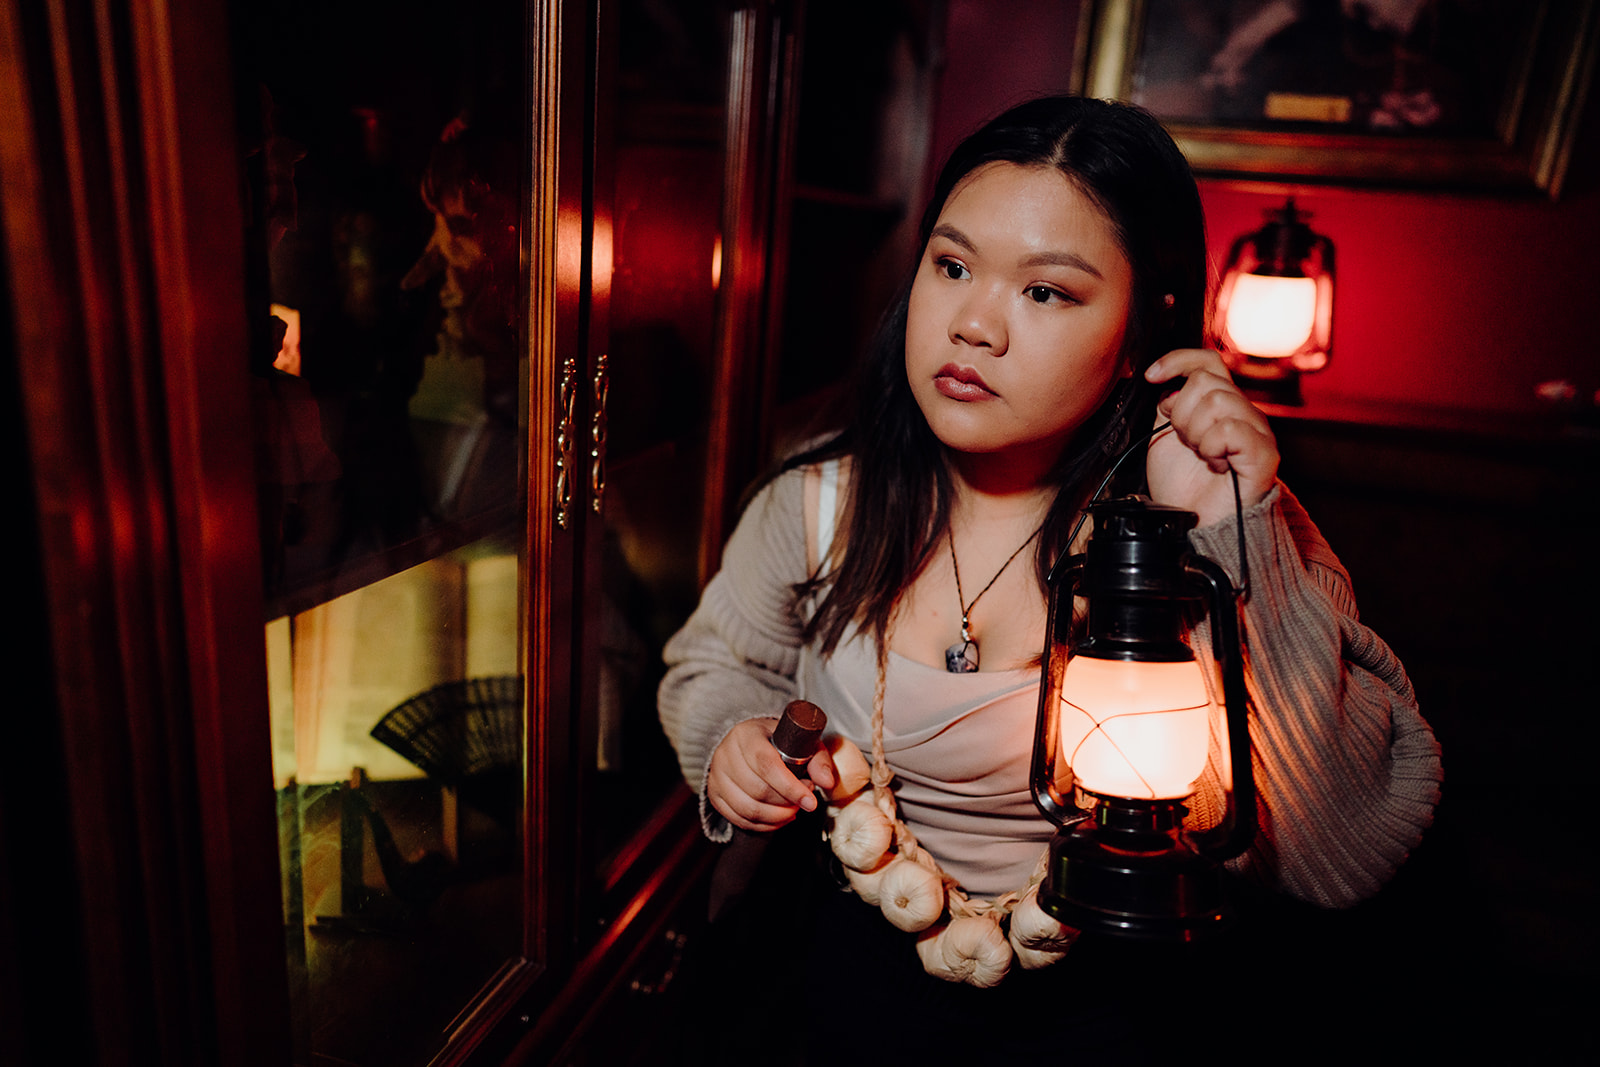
(660, 202)
(385, 150)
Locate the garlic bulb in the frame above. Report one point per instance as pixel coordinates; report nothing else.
(910, 895)
(861, 833)
(1033, 927)
(868, 884)
(854, 772)
(970, 949)
(1038, 937)
(1033, 959)
(930, 950)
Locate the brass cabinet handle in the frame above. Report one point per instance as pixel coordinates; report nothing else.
(597, 434)
(564, 443)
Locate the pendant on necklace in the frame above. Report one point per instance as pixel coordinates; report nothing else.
(962, 657)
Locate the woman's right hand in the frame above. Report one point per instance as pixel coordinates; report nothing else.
(751, 786)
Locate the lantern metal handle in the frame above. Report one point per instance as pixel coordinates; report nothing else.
(1233, 835)
(1057, 806)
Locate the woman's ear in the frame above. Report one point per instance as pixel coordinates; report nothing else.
(1132, 346)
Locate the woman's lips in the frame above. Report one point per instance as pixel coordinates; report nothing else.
(961, 383)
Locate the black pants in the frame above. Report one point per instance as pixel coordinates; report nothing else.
(797, 971)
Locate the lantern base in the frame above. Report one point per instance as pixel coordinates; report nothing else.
(1274, 381)
(1146, 883)
(1284, 393)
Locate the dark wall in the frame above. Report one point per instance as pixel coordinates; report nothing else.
(1470, 550)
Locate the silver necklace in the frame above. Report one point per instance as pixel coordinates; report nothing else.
(962, 657)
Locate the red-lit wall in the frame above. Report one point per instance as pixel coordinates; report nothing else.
(1444, 301)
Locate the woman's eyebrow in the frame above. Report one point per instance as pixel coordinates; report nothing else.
(1038, 259)
(1062, 259)
(955, 236)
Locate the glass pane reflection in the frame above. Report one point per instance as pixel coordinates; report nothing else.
(384, 145)
(397, 760)
(384, 149)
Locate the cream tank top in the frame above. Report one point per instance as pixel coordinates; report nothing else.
(959, 745)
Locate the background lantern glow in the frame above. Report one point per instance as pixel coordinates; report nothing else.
(1271, 318)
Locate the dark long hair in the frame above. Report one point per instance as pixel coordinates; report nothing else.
(900, 492)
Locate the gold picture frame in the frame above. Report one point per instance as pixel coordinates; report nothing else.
(1532, 63)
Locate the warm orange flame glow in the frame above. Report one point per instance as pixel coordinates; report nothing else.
(1270, 317)
(1135, 729)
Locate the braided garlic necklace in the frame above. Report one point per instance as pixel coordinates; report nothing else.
(961, 938)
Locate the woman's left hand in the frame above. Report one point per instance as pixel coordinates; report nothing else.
(1215, 429)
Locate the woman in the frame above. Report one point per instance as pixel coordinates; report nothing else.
(1054, 318)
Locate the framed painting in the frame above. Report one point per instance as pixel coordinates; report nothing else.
(1454, 94)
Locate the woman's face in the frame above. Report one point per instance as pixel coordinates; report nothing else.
(1014, 333)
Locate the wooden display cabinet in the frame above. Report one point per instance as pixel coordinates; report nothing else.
(360, 523)
(385, 377)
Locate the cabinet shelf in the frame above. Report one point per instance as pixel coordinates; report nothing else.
(366, 568)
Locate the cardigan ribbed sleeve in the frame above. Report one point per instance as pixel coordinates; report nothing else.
(736, 657)
(1347, 771)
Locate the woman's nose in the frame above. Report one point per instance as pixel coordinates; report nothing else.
(978, 322)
